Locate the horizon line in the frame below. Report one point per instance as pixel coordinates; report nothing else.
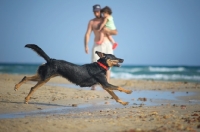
(128, 64)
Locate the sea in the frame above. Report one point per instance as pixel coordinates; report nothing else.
(162, 73)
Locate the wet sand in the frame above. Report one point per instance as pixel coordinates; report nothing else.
(61, 106)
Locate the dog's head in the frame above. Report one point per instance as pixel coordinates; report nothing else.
(109, 59)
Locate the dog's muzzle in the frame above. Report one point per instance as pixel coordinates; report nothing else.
(116, 62)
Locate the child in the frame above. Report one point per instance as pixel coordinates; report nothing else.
(107, 26)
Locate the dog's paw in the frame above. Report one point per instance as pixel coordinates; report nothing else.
(124, 103)
(129, 91)
(26, 100)
(15, 88)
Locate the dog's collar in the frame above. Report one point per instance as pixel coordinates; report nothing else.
(102, 65)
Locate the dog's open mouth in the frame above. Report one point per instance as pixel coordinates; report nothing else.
(116, 62)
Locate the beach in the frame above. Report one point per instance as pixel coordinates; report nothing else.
(155, 106)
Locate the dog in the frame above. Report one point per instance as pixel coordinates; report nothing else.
(85, 75)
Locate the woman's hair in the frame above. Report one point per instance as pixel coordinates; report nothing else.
(106, 10)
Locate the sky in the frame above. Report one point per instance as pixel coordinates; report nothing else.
(150, 32)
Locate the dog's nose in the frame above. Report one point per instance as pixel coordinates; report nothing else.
(121, 60)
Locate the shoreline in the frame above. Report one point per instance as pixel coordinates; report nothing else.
(52, 104)
(179, 73)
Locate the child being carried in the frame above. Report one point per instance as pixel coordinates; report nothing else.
(107, 27)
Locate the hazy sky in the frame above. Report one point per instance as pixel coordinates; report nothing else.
(150, 32)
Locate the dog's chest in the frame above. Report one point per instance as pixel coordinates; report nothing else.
(94, 70)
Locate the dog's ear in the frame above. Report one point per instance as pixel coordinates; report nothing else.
(101, 55)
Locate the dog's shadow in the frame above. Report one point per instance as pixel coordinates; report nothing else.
(34, 103)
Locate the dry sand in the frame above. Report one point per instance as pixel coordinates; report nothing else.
(50, 108)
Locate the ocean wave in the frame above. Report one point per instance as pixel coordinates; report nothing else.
(131, 70)
(155, 77)
(166, 69)
(20, 67)
(121, 75)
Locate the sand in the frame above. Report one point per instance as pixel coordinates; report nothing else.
(56, 107)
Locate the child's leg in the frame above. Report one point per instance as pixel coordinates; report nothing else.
(111, 39)
(107, 32)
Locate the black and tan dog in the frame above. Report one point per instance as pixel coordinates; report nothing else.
(85, 75)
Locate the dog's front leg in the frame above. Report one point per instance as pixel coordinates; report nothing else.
(124, 90)
(112, 87)
(116, 97)
(109, 88)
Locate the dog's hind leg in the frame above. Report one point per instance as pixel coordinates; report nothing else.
(33, 89)
(116, 97)
(25, 79)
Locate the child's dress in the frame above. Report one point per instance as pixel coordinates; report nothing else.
(110, 23)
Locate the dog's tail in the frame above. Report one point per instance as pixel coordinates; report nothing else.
(39, 51)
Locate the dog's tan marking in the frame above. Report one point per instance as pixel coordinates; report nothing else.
(111, 63)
